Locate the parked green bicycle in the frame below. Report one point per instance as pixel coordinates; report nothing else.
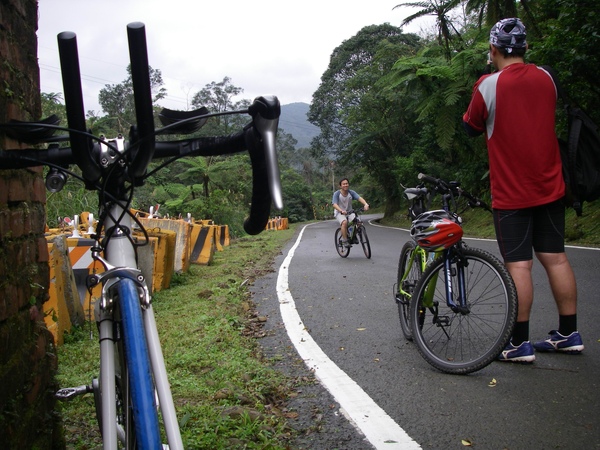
(457, 303)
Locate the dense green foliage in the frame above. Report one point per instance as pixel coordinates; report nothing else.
(389, 106)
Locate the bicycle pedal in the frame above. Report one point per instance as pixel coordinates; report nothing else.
(70, 393)
(443, 321)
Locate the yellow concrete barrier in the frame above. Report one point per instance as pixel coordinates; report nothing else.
(222, 236)
(204, 244)
(183, 242)
(56, 312)
(277, 223)
(162, 244)
(64, 277)
(80, 254)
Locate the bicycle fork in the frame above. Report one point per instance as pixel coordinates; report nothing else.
(454, 276)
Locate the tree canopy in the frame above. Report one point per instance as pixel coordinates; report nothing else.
(388, 106)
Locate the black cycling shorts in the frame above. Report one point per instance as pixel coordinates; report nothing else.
(540, 227)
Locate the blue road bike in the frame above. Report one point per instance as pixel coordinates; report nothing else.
(132, 385)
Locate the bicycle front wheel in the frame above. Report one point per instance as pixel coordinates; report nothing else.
(342, 249)
(409, 272)
(364, 240)
(462, 342)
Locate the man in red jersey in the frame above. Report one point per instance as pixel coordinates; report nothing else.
(515, 108)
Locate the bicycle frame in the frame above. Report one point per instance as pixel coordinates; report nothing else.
(457, 306)
(424, 258)
(448, 199)
(356, 222)
(435, 299)
(120, 253)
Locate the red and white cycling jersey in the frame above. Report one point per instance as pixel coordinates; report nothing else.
(515, 108)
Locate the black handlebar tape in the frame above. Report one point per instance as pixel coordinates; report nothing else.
(266, 111)
(260, 207)
(142, 94)
(81, 145)
(23, 158)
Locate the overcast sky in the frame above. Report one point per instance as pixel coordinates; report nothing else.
(266, 47)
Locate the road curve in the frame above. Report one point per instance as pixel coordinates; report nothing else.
(345, 307)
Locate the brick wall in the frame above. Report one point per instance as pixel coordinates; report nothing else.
(27, 353)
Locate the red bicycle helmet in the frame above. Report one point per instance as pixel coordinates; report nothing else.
(436, 230)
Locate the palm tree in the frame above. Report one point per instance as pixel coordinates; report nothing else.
(492, 10)
(440, 9)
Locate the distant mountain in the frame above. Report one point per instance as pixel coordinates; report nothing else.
(293, 120)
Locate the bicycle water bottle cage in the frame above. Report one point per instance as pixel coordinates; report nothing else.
(182, 122)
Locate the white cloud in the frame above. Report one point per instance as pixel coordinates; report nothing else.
(264, 46)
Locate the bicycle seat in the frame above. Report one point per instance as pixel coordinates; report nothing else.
(191, 120)
(412, 193)
(32, 132)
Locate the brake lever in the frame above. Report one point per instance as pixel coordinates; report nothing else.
(266, 111)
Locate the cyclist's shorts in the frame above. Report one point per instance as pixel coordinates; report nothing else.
(540, 227)
(341, 217)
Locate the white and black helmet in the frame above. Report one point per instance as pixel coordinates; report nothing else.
(509, 34)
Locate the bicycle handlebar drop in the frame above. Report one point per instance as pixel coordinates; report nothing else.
(98, 158)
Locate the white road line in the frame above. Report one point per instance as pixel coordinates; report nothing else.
(379, 428)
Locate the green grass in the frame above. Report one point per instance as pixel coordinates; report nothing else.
(226, 394)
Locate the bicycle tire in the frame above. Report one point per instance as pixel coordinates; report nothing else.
(458, 343)
(140, 386)
(343, 250)
(406, 282)
(364, 240)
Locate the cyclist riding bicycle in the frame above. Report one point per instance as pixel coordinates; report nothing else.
(342, 203)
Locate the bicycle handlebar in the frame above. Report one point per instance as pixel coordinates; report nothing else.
(69, 63)
(142, 95)
(454, 190)
(89, 152)
(355, 211)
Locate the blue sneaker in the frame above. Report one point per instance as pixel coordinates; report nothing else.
(521, 353)
(559, 343)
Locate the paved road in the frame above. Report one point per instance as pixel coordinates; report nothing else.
(347, 306)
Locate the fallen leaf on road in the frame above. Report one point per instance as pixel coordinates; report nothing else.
(493, 383)
(466, 443)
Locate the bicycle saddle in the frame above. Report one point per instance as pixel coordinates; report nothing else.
(191, 121)
(32, 132)
(412, 193)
